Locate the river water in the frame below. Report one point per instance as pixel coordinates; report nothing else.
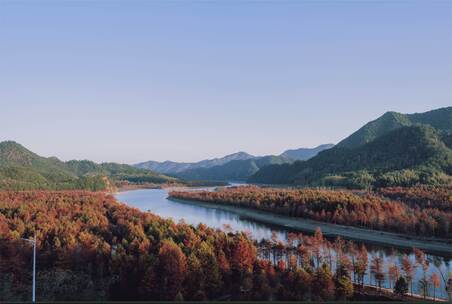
(155, 201)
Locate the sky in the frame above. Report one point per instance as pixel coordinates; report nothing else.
(130, 81)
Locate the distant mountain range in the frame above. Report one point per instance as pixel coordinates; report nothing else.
(170, 167)
(21, 169)
(235, 170)
(395, 149)
(237, 166)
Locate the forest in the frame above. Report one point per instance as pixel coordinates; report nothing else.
(91, 247)
(421, 196)
(424, 211)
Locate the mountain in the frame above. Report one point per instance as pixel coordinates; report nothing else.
(21, 169)
(305, 153)
(166, 167)
(378, 155)
(237, 166)
(234, 170)
(170, 167)
(19, 166)
(440, 119)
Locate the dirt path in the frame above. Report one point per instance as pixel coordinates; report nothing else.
(440, 247)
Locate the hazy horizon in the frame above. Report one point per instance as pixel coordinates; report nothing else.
(185, 81)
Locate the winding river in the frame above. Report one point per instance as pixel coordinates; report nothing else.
(157, 202)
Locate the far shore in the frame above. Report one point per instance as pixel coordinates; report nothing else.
(437, 246)
(125, 188)
(167, 186)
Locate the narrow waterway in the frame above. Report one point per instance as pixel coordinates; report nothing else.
(156, 201)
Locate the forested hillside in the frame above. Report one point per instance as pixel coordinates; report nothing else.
(398, 156)
(21, 169)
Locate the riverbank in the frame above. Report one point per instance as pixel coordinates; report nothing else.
(437, 246)
(386, 294)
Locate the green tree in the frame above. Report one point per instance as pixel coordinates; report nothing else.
(401, 287)
(344, 287)
(210, 269)
(343, 282)
(323, 284)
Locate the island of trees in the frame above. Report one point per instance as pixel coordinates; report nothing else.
(422, 211)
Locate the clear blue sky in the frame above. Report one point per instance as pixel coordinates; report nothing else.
(130, 81)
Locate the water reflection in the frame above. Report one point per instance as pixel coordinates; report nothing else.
(155, 201)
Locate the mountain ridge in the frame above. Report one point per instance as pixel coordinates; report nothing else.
(171, 167)
(185, 169)
(236, 170)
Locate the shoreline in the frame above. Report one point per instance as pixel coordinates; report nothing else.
(438, 246)
(165, 186)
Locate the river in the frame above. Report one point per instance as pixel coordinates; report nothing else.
(156, 202)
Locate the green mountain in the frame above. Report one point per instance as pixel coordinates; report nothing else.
(440, 119)
(233, 170)
(21, 169)
(391, 154)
